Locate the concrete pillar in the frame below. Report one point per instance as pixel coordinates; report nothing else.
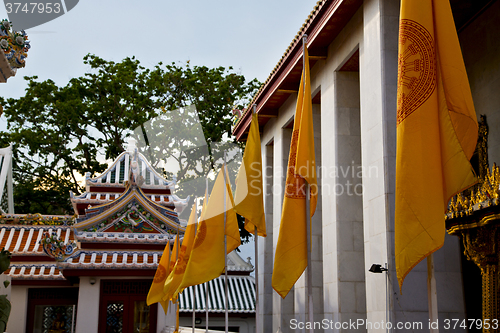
(19, 309)
(88, 305)
(266, 254)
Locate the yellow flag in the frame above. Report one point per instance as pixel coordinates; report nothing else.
(436, 129)
(290, 259)
(249, 195)
(207, 256)
(174, 279)
(155, 293)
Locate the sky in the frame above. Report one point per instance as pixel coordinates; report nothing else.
(250, 36)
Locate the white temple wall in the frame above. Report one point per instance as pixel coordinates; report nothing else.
(300, 288)
(378, 74)
(274, 131)
(344, 275)
(357, 129)
(378, 145)
(481, 52)
(87, 317)
(19, 309)
(288, 304)
(266, 243)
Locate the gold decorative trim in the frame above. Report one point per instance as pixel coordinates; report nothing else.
(483, 195)
(481, 223)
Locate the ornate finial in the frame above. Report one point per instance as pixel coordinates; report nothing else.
(14, 44)
(132, 145)
(56, 248)
(237, 113)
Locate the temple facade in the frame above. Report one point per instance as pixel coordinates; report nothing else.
(91, 272)
(353, 48)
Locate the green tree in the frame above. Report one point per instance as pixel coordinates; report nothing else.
(59, 132)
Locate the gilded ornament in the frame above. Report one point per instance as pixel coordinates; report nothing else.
(14, 44)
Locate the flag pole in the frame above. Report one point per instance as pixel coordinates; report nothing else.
(177, 300)
(309, 302)
(194, 296)
(177, 316)
(206, 283)
(194, 306)
(257, 319)
(206, 306)
(432, 293)
(225, 249)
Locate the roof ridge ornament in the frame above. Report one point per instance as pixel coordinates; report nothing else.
(135, 176)
(56, 248)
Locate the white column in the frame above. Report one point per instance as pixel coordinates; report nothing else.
(282, 308)
(266, 257)
(19, 309)
(378, 78)
(88, 305)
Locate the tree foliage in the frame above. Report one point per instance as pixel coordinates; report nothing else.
(61, 132)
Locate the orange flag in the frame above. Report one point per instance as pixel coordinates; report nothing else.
(207, 256)
(174, 279)
(290, 259)
(249, 194)
(436, 129)
(155, 293)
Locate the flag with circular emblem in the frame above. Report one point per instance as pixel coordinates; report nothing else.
(290, 259)
(155, 293)
(174, 279)
(249, 194)
(207, 256)
(436, 129)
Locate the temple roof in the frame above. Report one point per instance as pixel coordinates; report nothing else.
(132, 212)
(130, 167)
(25, 242)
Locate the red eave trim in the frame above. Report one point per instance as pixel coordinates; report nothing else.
(109, 272)
(41, 282)
(123, 246)
(293, 58)
(33, 258)
(323, 19)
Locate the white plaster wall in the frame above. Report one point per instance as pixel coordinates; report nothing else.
(287, 304)
(343, 292)
(19, 309)
(374, 30)
(375, 156)
(300, 302)
(378, 73)
(282, 310)
(266, 257)
(87, 318)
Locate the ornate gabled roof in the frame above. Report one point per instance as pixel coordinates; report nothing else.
(23, 271)
(130, 167)
(90, 259)
(132, 212)
(236, 263)
(24, 240)
(130, 161)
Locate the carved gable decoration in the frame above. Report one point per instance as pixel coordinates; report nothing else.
(131, 213)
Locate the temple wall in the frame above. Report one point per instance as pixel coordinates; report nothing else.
(87, 317)
(357, 131)
(19, 309)
(481, 52)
